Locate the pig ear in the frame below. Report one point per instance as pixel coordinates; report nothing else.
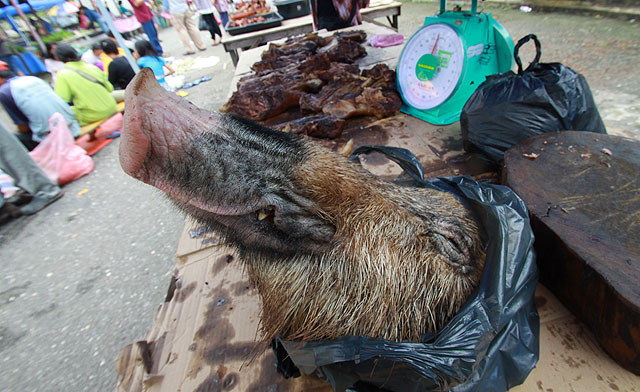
(307, 229)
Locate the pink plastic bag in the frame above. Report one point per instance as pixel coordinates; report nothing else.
(58, 156)
(385, 40)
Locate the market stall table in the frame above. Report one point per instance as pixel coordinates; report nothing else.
(301, 25)
(204, 335)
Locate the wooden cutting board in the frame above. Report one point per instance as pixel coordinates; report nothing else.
(583, 194)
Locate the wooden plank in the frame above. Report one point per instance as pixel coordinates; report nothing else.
(96, 124)
(389, 9)
(583, 194)
(438, 148)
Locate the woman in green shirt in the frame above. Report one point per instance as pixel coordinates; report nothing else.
(84, 86)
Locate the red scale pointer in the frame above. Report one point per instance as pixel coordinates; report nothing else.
(433, 51)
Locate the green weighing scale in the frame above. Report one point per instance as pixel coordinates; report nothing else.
(444, 62)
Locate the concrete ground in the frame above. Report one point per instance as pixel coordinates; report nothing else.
(85, 276)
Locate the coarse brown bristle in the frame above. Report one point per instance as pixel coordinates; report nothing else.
(384, 276)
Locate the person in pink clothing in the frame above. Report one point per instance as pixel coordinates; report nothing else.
(143, 14)
(223, 10)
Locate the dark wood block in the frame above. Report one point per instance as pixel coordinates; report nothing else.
(583, 194)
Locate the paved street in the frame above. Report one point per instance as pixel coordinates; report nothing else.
(85, 276)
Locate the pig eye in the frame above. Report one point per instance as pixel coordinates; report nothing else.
(266, 214)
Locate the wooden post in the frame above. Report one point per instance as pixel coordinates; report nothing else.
(34, 33)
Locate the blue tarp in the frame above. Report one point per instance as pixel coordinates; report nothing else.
(36, 4)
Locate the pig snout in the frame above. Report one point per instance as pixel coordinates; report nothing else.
(157, 123)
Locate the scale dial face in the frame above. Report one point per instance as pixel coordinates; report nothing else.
(430, 66)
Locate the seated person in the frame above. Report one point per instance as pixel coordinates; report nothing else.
(120, 71)
(16, 162)
(84, 86)
(52, 64)
(147, 56)
(92, 56)
(107, 59)
(30, 102)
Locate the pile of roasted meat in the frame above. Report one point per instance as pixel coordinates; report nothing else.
(248, 8)
(246, 21)
(315, 81)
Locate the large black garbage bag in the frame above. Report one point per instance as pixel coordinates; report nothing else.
(490, 345)
(508, 108)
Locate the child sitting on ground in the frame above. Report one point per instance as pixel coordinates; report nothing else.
(147, 56)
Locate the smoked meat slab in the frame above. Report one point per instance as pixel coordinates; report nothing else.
(583, 194)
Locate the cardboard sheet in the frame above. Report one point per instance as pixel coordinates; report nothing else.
(205, 338)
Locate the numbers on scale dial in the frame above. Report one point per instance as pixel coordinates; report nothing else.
(434, 46)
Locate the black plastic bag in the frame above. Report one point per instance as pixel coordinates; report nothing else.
(202, 24)
(508, 108)
(490, 345)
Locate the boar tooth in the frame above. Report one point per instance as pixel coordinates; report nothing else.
(347, 148)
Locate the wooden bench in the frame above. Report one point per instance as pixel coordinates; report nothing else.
(90, 137)
(93, 127)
